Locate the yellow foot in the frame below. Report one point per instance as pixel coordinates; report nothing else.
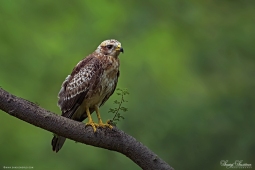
(103, 125)
(94, 125)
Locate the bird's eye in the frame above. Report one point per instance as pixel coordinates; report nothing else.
(109, 46)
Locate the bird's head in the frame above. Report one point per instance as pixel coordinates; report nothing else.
(110, 47)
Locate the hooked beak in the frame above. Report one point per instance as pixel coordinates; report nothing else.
(119, 48)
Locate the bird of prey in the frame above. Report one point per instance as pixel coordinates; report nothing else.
(91, 83)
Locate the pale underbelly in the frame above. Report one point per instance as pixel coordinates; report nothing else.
(90, 103)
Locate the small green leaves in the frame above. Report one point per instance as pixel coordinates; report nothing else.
(116, 111)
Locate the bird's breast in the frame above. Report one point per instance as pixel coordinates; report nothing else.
(107, 83)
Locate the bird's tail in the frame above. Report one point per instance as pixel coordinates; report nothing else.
(57, 142)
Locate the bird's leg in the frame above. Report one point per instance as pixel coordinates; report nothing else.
(100, 122)
(90, 122)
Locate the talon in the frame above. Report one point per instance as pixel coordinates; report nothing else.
(100, 123)
(93, 125)
(103, 125)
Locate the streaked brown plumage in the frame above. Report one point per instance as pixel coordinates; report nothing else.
(92, 81)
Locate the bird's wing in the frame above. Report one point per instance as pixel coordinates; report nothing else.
(84, 77)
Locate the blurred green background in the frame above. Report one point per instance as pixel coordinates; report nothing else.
(189, 68)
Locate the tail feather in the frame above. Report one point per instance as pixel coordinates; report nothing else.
(57, 143)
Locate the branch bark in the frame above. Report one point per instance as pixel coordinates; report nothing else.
(111, 139)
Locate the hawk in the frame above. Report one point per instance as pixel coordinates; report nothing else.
(91, 83)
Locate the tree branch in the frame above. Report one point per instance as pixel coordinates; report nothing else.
(115, 139)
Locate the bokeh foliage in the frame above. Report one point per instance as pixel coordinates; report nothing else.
(189, 67)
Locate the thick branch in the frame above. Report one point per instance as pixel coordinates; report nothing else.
(114, 139)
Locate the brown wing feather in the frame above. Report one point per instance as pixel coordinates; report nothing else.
(76, 86)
